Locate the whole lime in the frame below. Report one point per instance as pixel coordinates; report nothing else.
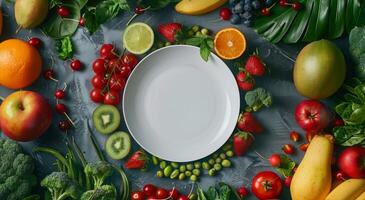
(319, 70)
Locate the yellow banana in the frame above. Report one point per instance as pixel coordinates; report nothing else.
(361, 197)
(348, 190)
(198, 7)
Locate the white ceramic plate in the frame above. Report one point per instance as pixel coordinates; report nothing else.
(179, 107)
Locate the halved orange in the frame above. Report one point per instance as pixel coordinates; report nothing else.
(229, 43)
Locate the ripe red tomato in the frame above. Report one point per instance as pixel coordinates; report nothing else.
(112, 98)
(266, 185)
(99, 66)
(138, 195)
(96, 95)
(107, 51)
(125, 71)
(129, 60)
(162, 193)
(114, 66)
(312, 115)
(149, 190)
(98, 81)
(117, 83)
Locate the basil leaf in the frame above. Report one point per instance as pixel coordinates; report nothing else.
(105, 10)
(90, 21)
(194, 41)
(212, 193)
(204, 51)
(224, 192)
(286, 166)
(123, 4)
(64, 48)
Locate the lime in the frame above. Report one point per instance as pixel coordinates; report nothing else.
(138, 38)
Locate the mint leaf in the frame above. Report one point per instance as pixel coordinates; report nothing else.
(286, 166)
(204, 51)
(64, 48)
(194, 41)
(257, 98)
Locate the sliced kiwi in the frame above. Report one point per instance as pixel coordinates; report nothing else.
(106, 119)
(118, 145)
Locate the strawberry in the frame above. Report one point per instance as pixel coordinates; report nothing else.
(245, 81)
(247, 122)
(241, 142)
(294, 136)
(138, 160)
(169, 30)
(288, 149)
(255, 66)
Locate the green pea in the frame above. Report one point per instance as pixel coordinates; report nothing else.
(198, 34)
(188, 173)
(163, 164)
(193, 178)
(226, 163)
(215, 155)
(191, 33)
(217, 166)
(218, 160)
(211, 161)
(197, 165)
(196, 172)
(205, 31)
(182, 176)
(190, 166)
(155, 160)
(193, 196)
(175, 165)
(159, 174)
(167, 44)
(230, 153)
(182, 168)
(174, 174)
(222, 156)
(212, 172)
(206, 165)
(195, 28)
(167, 171)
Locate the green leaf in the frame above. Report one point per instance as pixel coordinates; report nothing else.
(201, 195)
(90, 21)
(58, 27)
(106, 10)
(156, 4)
(53, 3)
(349, 135)
(224, 192)
(257, 98)
(64, 48)
(321, 25)
(204, 51)
(286, 166)
(123, 4)
(212, 193)
(336, 25)
(194, 41)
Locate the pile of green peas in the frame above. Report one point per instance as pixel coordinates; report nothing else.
(193, 170)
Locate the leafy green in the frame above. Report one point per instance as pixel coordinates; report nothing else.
(201, 195)
(357, 49)
(257, 98)
(204, 42)
(222, 192)
(212, 193)
(156, 4)
(64, 48)
(350, 135)
(286, 166)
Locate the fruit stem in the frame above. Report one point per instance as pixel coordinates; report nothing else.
(2, 98)
(65, 86)
(136, 15)
(191, 189)
(69, 119)
(18, 29)
(262, 157)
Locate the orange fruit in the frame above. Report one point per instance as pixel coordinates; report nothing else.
(229, 43)
(20, 64)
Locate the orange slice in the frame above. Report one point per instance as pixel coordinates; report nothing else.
(229, 43)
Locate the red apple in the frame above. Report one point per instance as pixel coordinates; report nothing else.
(352, 162)
(312, 115)
(25, 115)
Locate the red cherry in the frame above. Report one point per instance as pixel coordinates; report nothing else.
(82, 21)
(183, 197)
(76, 65)
(61, 108)
(287, 181)
(63, 11)
(283, 3)
(98, 81)
(149, 190)
(296, 5)
(99, 66)
(96, 95)
(125, 71)
(340, 176)
(162, 193)
(225, 13)
(275, 160)
(112, 98)
(35, 42)
(242, 191)
(117, 83)
(49, 75)
(174, 193)
(288, 149)
(265, 11)
(107, 52)
(64, 125)
(139, 10)
(59, 94)
(129, 60)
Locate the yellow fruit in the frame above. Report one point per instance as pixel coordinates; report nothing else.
(30, 13)
(312, 180)
(361, 197)
(348, 190)
(198, 7)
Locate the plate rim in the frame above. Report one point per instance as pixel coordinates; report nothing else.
(236, 110)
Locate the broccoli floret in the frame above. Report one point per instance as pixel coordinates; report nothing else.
(105, 192)
(16, 171)
(60, 186)
(99, 171)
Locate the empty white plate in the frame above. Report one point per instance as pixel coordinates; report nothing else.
(179, 107)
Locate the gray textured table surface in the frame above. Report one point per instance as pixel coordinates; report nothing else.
(278, 120)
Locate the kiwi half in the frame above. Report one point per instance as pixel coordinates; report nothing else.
(118, 145)
(106, 119)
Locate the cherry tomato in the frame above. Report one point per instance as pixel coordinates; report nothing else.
(76, 65)
(174, 193)
(98, 81)
(225, 13)
(149, 190)
(96, 95)
(117, 83)
(275, 160)
(162, 193)
(125, 71)
(114, 66)
(99, 66)
(35, 42)
(63, 11)
(82, 21)
(137, 195)
(266, 185)
(64, 125)
(183, 197)
(107, 51)
(129, 60)
(112, 98)
(59, 94)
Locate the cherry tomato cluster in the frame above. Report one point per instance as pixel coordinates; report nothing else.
(111, 73)
(151, 192)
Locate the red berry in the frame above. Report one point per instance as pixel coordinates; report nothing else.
(138, 195)
(254, 66)
(183, 197)
(76, 65)
(96, 95)
(63, 11)
(225, 13)
(129, 60)
(64, 125)
(149, 190)
(338, 122)
(287, 181)
(283, 3)
(49, 74)
(112, 98)
(99, 66)
(59, 94)
(139, 10)
(107, 52)
(242, 191)
(174, 193)
(294, 136)
(296, 5)
(288, 149)
(35, 42)
(162, 193)
(125, 71)
(265, 11)
(304, 147)
(114, 66)
(340, 175)
(98, 81)
(117, 83)
(61, 108)
(245, 82)
(82, 21)
(275, 160)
